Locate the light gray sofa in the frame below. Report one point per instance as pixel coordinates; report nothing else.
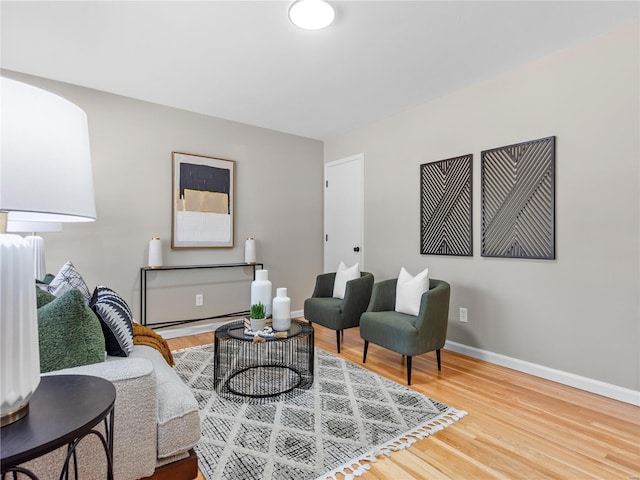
(156, 423)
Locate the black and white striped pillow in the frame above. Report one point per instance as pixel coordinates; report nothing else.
(116, 321)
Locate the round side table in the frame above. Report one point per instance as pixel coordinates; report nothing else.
(63, 410)
(262, 372)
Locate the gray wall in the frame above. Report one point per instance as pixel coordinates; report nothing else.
(278, 201)
(579, 313)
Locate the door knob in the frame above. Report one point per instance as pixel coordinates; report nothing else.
(356, 249)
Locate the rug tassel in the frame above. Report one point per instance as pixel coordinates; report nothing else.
(352, 472)
(401, 443)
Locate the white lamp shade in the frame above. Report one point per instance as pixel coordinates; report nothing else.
(46, 162)
(17, 226)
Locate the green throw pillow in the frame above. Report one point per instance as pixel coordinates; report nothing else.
(43, 297)
(48, 278)
(69, 333)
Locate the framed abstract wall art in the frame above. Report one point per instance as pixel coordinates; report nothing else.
(202, 201)
(445, 207)
(518, 200)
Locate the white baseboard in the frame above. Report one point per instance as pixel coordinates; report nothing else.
(565, 378)
(186, 330)
(583, 383)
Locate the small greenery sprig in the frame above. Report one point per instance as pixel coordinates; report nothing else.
(257, 311)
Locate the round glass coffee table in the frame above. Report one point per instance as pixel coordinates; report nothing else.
(262, 372)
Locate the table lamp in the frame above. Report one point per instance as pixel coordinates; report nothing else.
(36, 242)
(45, 176)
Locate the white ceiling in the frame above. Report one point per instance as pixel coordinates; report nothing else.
(244, 61)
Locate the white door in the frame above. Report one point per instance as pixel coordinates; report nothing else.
(343, 212)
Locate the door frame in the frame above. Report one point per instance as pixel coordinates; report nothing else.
(352, 158)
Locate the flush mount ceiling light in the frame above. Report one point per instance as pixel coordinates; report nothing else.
(311, 14)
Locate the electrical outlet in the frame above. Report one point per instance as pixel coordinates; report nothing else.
(463, 315)
(199, 300)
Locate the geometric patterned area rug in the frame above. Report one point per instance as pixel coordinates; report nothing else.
(340, 425)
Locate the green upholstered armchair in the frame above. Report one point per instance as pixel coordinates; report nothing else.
(335, 313)
(402, 333)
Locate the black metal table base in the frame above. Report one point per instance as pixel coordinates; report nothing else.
(107, 445)
(273, 370)
(55, 420)
(279, 388)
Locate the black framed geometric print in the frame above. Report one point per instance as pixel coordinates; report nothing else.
(518, 200)
(445, 207)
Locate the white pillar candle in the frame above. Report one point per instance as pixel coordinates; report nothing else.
(155, 252)
(250, 250)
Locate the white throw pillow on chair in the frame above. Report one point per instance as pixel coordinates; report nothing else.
(343, 275)
(409, 291)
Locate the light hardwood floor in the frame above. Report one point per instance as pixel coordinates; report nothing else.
(518, 426)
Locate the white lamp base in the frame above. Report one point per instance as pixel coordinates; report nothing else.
(10, 417)
(36, 243)
(19, 352)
